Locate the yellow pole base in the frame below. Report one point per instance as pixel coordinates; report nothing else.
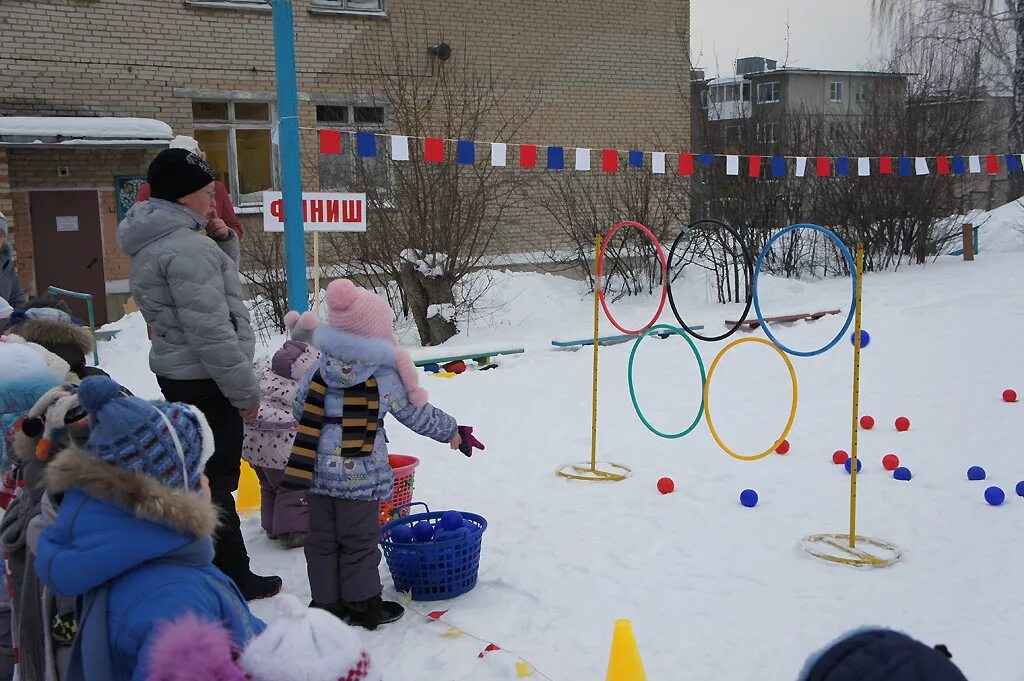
(247, 500)
(586, 471)
(624, 663)
(867, 552)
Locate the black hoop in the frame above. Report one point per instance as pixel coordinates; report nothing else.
(748, 259)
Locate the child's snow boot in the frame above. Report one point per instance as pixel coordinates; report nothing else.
(293, 540)
(372, 612)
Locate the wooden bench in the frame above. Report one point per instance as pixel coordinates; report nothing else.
(611, 340)
(752, 324)
(478, 357)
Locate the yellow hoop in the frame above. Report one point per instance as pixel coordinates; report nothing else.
(707, 402)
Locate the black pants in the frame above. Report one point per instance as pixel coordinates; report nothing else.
(222, 469)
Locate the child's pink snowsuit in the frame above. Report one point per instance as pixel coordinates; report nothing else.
(269, 437)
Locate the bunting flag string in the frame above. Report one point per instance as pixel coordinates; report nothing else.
(438, 150)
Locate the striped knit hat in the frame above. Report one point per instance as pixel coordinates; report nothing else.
(168, 442)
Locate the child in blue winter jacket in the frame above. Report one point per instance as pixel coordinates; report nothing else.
(340, 453)
(132, 539)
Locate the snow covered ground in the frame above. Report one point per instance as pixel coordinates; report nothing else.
(716, 590)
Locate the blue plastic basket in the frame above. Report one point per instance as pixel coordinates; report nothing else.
(433, 571)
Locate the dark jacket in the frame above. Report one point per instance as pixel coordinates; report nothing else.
(10, 287)
(880, 655)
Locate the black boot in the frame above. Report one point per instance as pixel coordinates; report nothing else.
(255, 588)
(373, 612)
(337, 609)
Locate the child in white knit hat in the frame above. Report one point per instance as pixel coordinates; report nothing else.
(302, 644)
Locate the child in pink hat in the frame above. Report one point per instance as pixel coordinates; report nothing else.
(340, 453)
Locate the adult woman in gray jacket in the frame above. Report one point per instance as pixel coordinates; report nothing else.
(184, 278)
(10, 287)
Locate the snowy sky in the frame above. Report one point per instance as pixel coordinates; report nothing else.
(829, 34)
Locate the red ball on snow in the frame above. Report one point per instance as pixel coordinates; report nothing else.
(840, 457)
(903, 424)
(783, 447)
(666, 486)
(1009, 396)
(890, 462)
(867, 422)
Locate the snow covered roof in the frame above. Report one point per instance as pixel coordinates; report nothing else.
(106, 131)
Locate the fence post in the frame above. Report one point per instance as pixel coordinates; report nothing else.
(968, 234)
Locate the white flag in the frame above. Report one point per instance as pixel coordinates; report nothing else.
(974, 163)
(801, 165)
(658, 162)
(921, 165)
(732, 165)
(583, 159)
(863, 166)
(499, 154)
(399, 148)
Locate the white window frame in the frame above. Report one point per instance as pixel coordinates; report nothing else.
(835, 91)
(348, 139)
(346, 7)
(232, 125)
(767, 132)
(773, 90)
(251, 5)
(739, 134)
(861, 93)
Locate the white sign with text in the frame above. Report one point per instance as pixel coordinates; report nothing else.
(320, 212)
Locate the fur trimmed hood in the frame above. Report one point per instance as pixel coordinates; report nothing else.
(143, 497)
(363, 355)
(51, 333)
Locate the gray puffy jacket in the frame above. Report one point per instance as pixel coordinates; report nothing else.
(188, 289)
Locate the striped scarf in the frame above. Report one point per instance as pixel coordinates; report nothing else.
(358, 421)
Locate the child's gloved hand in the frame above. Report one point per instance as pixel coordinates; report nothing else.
(465, 442)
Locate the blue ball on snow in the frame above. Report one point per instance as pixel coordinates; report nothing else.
(865, 338)
(748, 498)
(1020, 488)
(849, 468)
(994, 496)
(902, 473)
(975, 473)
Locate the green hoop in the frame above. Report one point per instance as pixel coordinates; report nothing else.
(632, 391)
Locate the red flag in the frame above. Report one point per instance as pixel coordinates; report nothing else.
(437, 614)
(943, 165)
(330, 141)
(885, 165)
(489, 649)
(433, 151)
(991, 165)
(609, 161)
(824, 166)
(527, 156)
(686, 164)
(755, 166)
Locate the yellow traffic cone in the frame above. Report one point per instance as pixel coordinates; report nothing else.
(248, 498)
(624, 663)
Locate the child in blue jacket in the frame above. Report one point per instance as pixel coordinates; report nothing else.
(340, 453)
(132, 538)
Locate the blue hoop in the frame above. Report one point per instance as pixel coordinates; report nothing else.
(853, 290)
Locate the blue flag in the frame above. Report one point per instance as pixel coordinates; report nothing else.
(778, 166)
(906, 167)
(467, 152)
(366, 144)
(636, 159)
(556, 158)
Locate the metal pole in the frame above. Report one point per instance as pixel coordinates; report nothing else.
(291, 169)
(316, 273)
(856, 397)
(597, 345)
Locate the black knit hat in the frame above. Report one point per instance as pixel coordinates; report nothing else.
(175, 173)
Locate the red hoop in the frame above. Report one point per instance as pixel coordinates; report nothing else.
(664, 276)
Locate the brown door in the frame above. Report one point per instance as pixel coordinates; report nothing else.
(67, 244)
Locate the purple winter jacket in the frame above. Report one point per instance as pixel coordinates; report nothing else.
(269, 437)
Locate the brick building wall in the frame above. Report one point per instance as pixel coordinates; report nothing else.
(603, 74)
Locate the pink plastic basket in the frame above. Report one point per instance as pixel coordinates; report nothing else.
(404, 469)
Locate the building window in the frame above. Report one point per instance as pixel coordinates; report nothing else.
(354, 6)
(733, 135)
(861, 94)
(768, 93)
(746, 92)
(261, 5)
(767, 133)
(347, 171)
(835, 91)
(235, 136)
(704, 99)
